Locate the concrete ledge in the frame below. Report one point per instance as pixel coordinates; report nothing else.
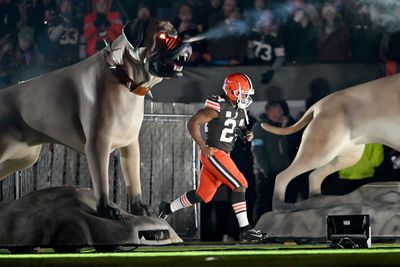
(308, 219)
(66, 216)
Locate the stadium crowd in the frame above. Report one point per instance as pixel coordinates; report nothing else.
(37, 36)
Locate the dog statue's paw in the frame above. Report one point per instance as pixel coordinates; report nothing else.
(281, 206)
(109, 213)
(139, 208)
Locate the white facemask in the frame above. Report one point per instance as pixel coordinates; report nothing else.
(244, 100)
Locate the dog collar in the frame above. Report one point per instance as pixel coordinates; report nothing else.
(122, 75)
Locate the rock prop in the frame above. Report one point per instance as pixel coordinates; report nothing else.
(308, 220)
(65, 217)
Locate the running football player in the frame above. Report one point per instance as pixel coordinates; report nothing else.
(222, 116)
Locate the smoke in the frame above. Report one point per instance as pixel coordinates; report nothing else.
(384, 13)
(243, 26)
(239, 27)
(232, 28)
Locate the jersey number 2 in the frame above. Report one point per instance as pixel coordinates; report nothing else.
(227, 134)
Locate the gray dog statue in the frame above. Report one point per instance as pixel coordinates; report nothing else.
(336, 130)
(94, 107)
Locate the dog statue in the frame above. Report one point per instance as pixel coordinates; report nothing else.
(94, 107)
(338, 127)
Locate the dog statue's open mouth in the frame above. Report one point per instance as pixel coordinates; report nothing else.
(181, 60)
(169, 63)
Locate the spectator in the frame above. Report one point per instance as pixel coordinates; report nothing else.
(366, 38)
(81, 8)
(143, 11)
(229, 8)
(27, 56)
(187, 28)
(365, 168)
(9, 17)
(334, 43)
(272, 154)
(357, 175)
(265, 43)
(64, 32)
(101, 25)
(259, 6)
(25, 46)
(200, 11)
(254, 14)
(38, 15)
(230, 50)
(295, 4)
(275, 93)
(215, 6)
(300, 36)
(184, 22)
(313, 14)
(6, 60)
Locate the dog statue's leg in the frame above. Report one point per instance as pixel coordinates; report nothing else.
(130, 165)
(19, 162)
(347, 159)
(304, 161)
(98, 157)
(318, 147)
(281, 182)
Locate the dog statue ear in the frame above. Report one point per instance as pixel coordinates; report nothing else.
(134, 31)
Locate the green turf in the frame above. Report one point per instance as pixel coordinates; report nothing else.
(216, 255)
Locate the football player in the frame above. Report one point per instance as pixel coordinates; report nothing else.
(222, 116)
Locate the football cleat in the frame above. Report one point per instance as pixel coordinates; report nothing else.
(164, 209)
(252, 235)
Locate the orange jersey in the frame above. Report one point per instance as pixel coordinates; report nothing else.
(91, 32)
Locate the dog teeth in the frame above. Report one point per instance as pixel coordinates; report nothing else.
(178, 68)
(184, 57)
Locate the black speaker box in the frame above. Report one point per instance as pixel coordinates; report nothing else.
(348, 231)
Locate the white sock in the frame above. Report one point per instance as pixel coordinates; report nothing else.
(240, 209)
(180, 203)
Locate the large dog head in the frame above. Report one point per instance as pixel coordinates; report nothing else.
(165, 52)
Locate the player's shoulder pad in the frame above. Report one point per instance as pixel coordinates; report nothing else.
(216, 98)
(213, 102)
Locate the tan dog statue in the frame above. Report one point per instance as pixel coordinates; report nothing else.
(94, 106)
(338, 127)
